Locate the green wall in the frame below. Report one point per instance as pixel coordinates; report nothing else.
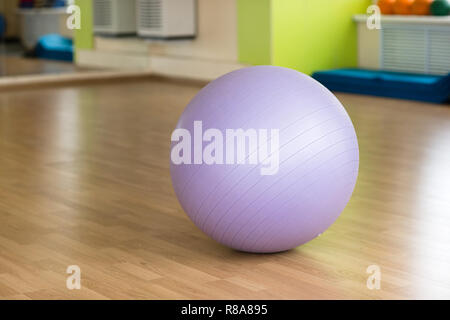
(306, 35)
(254, 31)
(84, 38)
(310, 35)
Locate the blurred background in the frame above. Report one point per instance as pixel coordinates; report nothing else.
(203, 39)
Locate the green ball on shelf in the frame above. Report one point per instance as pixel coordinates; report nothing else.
(440, 8)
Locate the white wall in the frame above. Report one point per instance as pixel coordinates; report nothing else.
(212, 53)
(368, 47)
(217, 34)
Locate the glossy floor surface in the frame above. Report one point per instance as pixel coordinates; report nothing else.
(12, 66)
(84, 180)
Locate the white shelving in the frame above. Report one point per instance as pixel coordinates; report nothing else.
(419, 44)
(428, 20)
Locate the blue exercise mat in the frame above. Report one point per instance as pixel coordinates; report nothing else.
(2, 26)
(421, 87)
(55, 47)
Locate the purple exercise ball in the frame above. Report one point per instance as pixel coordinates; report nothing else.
(293, 127)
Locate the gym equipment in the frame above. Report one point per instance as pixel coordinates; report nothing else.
(54, 47)
(317, 166)
(403, 7)
(386, 6)
(2, 26)
(421, 87)
(440, 8)
(421, 7)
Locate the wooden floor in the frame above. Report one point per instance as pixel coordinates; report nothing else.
(84, 180)
(12, 66)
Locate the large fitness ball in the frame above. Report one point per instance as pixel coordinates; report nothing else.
(264, 159)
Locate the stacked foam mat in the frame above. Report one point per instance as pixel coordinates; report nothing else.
(421, 87)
